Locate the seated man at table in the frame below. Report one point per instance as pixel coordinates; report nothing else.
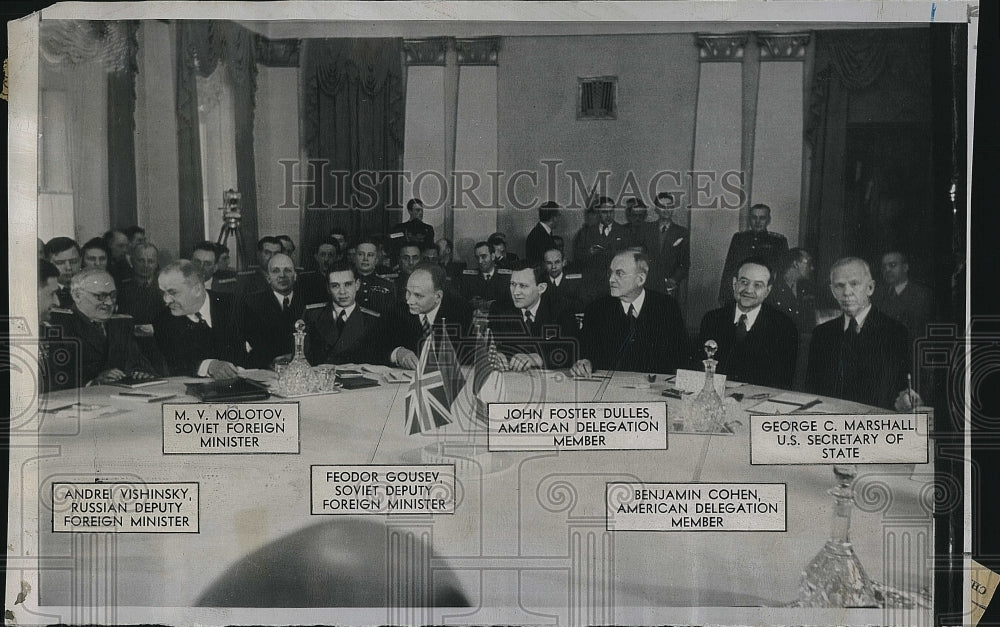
(199, 332)
(430, 308)
(108, 350)
(269, 315)
(862, 354)
(632, 328)
(539, 331)
(757, 343)
(341, 331)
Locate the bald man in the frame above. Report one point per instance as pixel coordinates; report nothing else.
(269, 315)
(108, 350)
(430, 306)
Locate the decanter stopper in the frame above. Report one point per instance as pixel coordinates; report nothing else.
(711, 348)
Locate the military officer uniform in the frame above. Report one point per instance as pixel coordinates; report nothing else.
(360, 337)
(376, 293)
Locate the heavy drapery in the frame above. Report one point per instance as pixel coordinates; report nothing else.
(201, 46)
(352, 122)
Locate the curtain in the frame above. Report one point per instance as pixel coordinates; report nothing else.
(852, 67)
(86, 126)
(352, 121)
(201, 46)
(122, 197)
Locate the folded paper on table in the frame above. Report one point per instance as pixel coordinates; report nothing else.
(693, 381)
(787, 403)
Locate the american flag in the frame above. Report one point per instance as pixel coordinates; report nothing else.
(428, 405)
(487, 382)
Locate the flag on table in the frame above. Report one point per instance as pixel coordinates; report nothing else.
(446, 360)
(428, 405)
(486, 385)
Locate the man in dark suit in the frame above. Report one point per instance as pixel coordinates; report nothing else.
(757, 344)
(429, 307)
(905, 301)
(341, 331)
(488, 283)
(632, 328)
(414, 230)
(312, 282)
(199, 332)
(861, 355)
(269, 315)
(757, 242)
(539, 331)
(566, 286)
(107, 348)
(64, 253)
(668, 246)
(597, 244)
(540, 238)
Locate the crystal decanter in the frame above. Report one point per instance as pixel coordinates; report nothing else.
(835, 577)
(298, 376)
(707, 414)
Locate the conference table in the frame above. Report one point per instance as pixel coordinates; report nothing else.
(528, 540)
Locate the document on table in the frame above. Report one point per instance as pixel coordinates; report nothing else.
(786, 403)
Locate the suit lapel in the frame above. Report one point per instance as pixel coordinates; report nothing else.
(353, 330)
(90, 335)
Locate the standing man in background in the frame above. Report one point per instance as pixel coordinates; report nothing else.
(757, 242)
(668, 246)
(540, 238)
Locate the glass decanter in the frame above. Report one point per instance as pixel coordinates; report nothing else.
(835, 577)
(298, 376)
(707, 414)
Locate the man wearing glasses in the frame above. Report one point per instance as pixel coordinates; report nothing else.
(108, 350)
(757, 343)
(632, 328)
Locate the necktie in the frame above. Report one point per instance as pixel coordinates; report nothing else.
(201, 320)
(663, 234)
(852, 329)
(529, 320)
(341, 321)
(488, 277)
(426, 328)
(632, 317)
(99, 324)
(284, 305)
(741, 328)
(631, 312)
(847, 349)
(605, 230)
